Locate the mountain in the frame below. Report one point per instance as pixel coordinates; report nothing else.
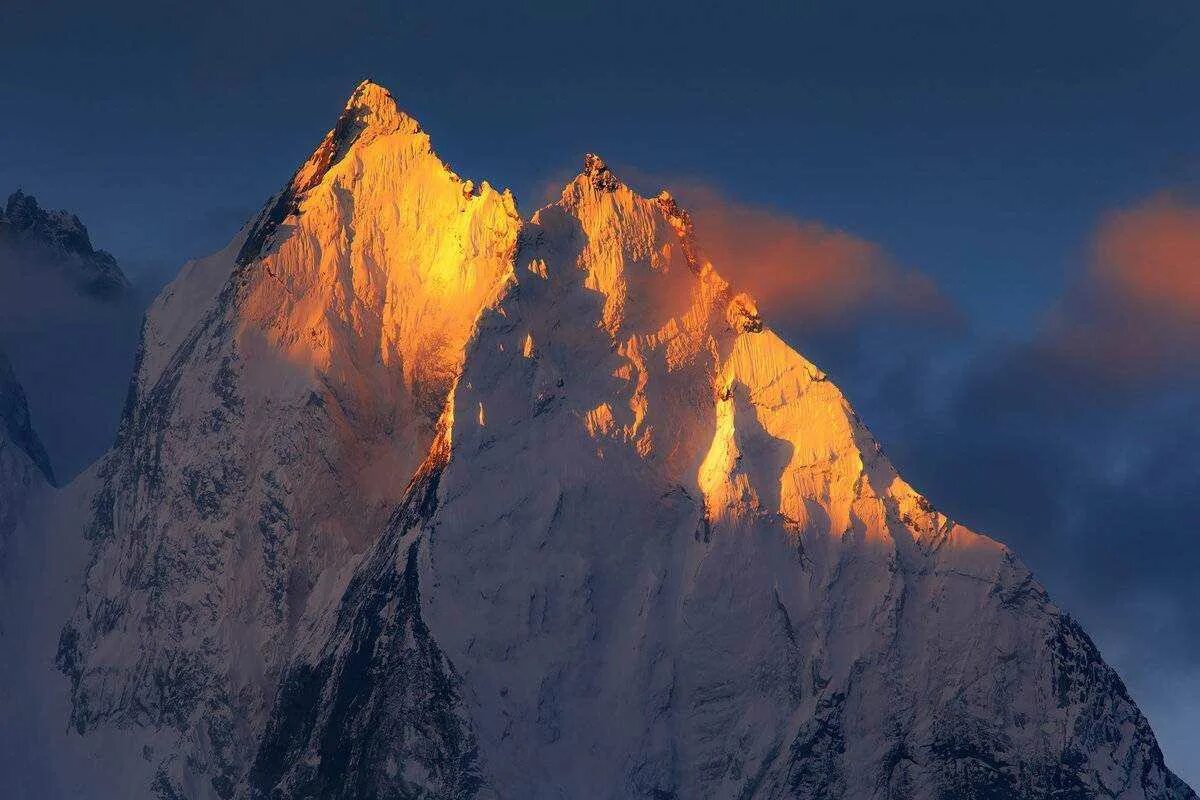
(59, 238)
(286, 389)
(414, 498)
(710, 584)
(70, 322)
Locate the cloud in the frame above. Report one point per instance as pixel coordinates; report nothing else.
(803, 271)
(1136, 312)
(72, 354)
(1150, 256)
(800, 272)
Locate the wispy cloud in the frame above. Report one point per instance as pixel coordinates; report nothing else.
(1149, 256)
(800, 272)
(1137, 310)
(803, 271)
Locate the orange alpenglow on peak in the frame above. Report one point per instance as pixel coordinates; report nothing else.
(601, 176)
(372, 106)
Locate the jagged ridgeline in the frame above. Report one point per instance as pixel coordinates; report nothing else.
(416, 498)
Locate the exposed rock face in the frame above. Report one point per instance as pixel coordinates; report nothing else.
(286, 390)
(413, 499)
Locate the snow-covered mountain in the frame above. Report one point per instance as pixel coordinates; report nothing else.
(69, 320)
(413, 498)
(286, 389)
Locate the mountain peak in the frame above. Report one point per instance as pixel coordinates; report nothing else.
(24, 213)
(601, 176)
(61, 235)
(20, 207)
(370, 114)
(368, 92)
(372, 107)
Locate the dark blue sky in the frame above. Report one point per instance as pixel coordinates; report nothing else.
(980, 146)
(977, 144)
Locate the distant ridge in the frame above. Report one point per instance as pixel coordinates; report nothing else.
(60, 238)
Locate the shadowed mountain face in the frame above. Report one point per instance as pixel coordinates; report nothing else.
(415, 498)
(16, 423)
(23, 461)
